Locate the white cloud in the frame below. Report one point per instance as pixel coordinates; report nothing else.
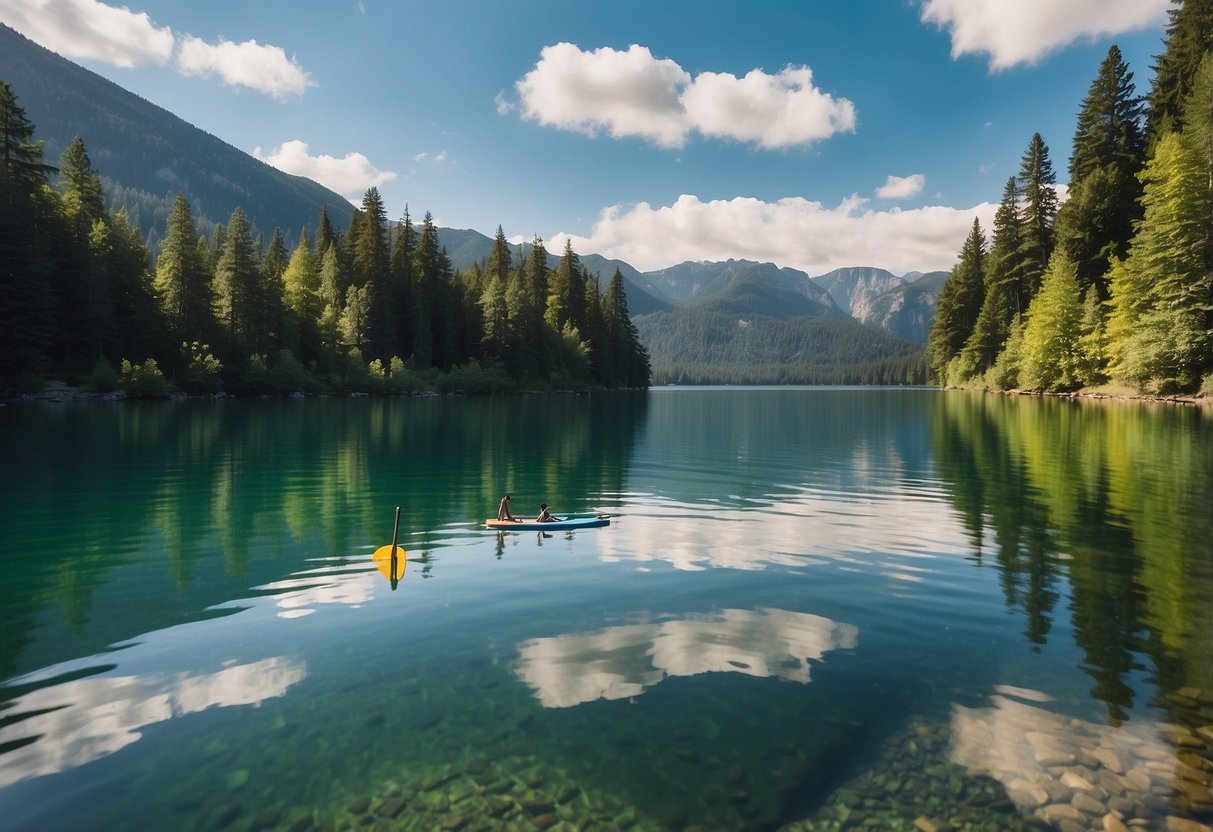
(772, 111)
(350, 175)
(261, 67)
(632, 93)
(900, 187)
(791, 232)
(1025, 31)
(504, 105)
(86, 29)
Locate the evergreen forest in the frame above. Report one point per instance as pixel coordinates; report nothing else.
(376, 307)
(1114, 286)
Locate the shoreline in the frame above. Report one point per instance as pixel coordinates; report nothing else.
(1195, 400)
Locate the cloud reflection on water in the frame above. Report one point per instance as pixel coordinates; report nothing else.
(793, 529)
(620, 662)
(88, 719)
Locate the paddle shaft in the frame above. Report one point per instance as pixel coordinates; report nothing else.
(395, 531)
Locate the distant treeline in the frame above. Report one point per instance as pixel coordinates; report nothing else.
(699, 344)
(1116, 284)
(375, 308)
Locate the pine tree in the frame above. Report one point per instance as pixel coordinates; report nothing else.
(1157, 329)
(1189, 37)
(137, 327)
(83, 198)
(1110, 122)
(324, 232)
(959, 302)
(495, 313)
(1096, 223)
(371, 263)
(182, 279)
(1051, 354)
(83, 294)
(1000, 304)
(628, 359)
(403, 246)
(500, 262)
(1039, 211)
(332, 297)
(565, 298)
(426, 269)
(236, 289)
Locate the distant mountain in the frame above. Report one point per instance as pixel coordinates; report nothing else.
(146, 155)
(854, 289)
(693, 282)
(907, 310)
(762, 289)
(465, 247)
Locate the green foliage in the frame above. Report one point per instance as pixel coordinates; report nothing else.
(1166, 353)
(477, 379)
(1189, 35)
(400, 379)
(1004, 374)
(287, 375)
(201, 372)
(104, 378)
(960, 300)
(1050, 356)
(143, 381)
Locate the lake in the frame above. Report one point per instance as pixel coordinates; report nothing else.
(813, 609)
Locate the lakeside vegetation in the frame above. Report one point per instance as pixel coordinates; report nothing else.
(375, 308)
(1115, 285)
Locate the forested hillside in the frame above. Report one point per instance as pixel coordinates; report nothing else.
(375, 307)
(758, 332)
(146, 155)
(1117, 283)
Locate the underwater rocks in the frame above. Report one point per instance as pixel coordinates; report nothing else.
(1017, 766)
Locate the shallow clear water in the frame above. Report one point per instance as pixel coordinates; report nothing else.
(813, 609)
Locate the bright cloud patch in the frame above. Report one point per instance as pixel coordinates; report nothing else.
(1024, 31)
(249, 64)
(349, 176)
(791, 232)
(90, 30)
(770, 110)
(632, 93)
(900, 187)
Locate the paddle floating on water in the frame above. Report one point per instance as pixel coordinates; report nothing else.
(390, 560)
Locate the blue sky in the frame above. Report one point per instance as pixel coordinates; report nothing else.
(811, 134)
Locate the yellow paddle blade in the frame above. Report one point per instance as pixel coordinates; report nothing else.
(385, 567)
(385, 553)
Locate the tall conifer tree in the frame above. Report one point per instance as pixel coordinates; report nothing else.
(959, 302)
(182, 280)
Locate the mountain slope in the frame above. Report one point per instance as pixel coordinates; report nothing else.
(854, 289)
(693, 282)
(907, 310)
(146, 155)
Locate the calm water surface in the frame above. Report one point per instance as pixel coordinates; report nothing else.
(813, 609)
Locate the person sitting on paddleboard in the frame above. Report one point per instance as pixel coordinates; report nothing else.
(546, 516)
(503, 511)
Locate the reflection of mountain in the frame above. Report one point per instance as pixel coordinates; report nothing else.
(620, 662)
(1113, 498)
(79, 721)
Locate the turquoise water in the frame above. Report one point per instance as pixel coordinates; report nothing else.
(813, 609)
